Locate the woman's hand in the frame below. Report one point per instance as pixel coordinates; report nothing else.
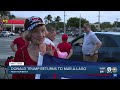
(49, 50)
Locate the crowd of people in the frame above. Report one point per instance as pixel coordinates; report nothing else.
(37, 37)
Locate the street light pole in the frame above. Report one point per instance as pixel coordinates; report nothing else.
(117, 22)
(99, 19)
(64, 24)
(80, 30)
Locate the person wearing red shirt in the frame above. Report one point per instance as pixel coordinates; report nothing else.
(29, 54)
(19, 42)
(65, 46)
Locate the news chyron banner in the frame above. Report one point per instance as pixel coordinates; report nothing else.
(52, 67)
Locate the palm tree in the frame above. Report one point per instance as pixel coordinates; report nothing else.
(58, 19)
(6, 15)
(48, 19)
(11, 16)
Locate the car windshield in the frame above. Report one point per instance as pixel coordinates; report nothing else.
(3, 32)
(117, 39)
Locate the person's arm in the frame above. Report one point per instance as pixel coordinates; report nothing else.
(98, 44)
(96, 48)
(12, 47)
(70, 54)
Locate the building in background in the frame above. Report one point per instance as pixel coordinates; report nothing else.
(14, 25)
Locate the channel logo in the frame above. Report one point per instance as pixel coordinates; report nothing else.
(109, 70)
(102, 69)
(114, 69)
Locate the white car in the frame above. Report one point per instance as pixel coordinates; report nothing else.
(12, 33)
(4, 34)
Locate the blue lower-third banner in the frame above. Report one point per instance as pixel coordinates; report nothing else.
(58, 68)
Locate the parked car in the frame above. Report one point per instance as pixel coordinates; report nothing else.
(61, 33)
(69, 34)
(73, 34)
(4, 34)
(12, 33)
(109, 51)
(77, 34)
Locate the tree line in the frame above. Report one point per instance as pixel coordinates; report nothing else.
(56, 21)
(6, 15)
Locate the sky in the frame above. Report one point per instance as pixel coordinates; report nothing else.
(91, 16)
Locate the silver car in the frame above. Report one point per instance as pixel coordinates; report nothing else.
(4, 34)
(12, 33)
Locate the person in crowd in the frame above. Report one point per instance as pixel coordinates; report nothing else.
(50, 46)
(19, 42)
(50, 37)
(29, 54)
(65, 46)
(91, 44)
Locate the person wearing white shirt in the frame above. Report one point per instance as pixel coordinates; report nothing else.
(50, 37)
(90, 45)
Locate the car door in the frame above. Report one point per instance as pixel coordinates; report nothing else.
(114, 49)
(77, 49)
(106, 50)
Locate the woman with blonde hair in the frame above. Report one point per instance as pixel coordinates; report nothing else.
(29, 54)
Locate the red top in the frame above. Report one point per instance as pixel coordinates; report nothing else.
(20, 42)
(64, 47)
(23, 56)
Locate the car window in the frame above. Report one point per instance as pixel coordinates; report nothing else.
(80, 41)
(106, 40)
(102, 39)
(117, 39)
(3, 32)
